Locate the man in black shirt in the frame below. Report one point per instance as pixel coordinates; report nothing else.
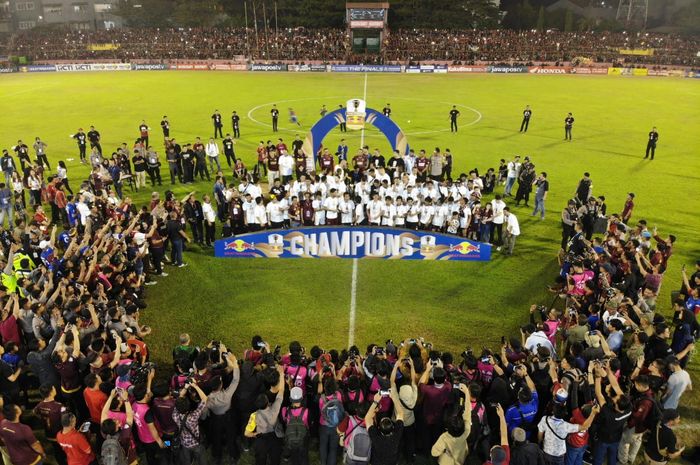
(139, 163)
(177, 236)
(228, 150)
(275, 113)
(526, 119)
(454, 114)
(165, 125)
(93, 136)
(81, 138)
(236, 123)
(662, 446)
(218, 124)
(22, 151)
(651, 144)
(568, 124)
(343, 125)
(387, 110)
(613, 416)
(657, 347)
(386, 437)
(188, 160)
(297, 144)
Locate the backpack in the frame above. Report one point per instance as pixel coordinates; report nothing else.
(332, 412)
(295, 433)
(358, 446)
(654, 415)
(112, 452)
(478, 439)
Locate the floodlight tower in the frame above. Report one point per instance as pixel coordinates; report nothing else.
(633, 12)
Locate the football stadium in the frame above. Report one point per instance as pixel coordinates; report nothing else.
(361, 233)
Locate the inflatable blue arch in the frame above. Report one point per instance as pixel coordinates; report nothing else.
(389, 128)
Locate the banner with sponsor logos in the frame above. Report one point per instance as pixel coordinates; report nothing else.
(307, 68)
(150, 66)
(228, 67)
(352, 242)
(37, 68)
(637, 51)
(467, 69)
(79, 67)
(366, 68)
(508, 69)
(590, 70)
(100, 47)
(6, 70)
(190, 67)
(549, 70)
(628, 71)
(270, 67)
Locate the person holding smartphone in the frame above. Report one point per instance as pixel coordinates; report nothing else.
(74, 443)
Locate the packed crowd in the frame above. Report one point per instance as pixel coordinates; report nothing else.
(402, 45)
(598, 373)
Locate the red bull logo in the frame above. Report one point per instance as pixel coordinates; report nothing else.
(239, 246)
(465, 248)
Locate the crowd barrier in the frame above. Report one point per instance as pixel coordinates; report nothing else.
(65, 67)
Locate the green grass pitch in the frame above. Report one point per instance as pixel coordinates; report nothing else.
(452, 304)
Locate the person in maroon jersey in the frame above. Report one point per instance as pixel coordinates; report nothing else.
(19, 439)
(68, 369)
(294, 212)
(326, 162)
(360, 161)
(50, 411)
(422, 165)
(281, 146)
(300, 163)
(262, 158)
(307, 210)
(273, 165)
(236, 215)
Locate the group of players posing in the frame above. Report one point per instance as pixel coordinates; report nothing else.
(410, 191)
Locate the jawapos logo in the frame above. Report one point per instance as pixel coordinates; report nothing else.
(465, 248)
(240, 246)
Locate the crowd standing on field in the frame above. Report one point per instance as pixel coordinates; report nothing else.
(400, 46)
(596, 375)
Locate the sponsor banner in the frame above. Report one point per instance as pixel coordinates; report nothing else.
(359, 24)
(441, 69)
(637, 51)
(428, 69)
(640, 72)
(4, 70)
(676, 72)
(79, 67)
(228, 67)
(190, 67)
(37, 68)
(549, 70)
(590, 70)
(98, 47)
(508, 69)
(467, 69)
(318, 68)
(352, 242)
(366, 68)
(150, 66)
(653, 72)
(413, 69)
(270, 67)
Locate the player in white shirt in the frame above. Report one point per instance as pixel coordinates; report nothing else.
(249, 210)
(330, 205)
(388, 212)
(401, 212)
(465, 216)
(319, 212)
(427, 212)
(512, 232)
(498, 219)
(412, 214)
(275, 215)
(286, 162)
(259, 216)
(442, 212)
(347, 209)
(360, 218)
(374, 210)
(209, 220)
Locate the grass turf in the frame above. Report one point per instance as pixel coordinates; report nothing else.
(452, 304)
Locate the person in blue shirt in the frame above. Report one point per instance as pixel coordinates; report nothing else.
(72, 212)
(615, 335)
(523, 413)
(6, 209)
(342, 151)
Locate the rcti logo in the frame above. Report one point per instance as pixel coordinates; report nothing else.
(465, 248)
(240, 246)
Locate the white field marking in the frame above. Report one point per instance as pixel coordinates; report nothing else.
(353, 286)
(479, 116)
(353, 304)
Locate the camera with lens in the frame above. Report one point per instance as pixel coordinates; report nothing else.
(139, 373)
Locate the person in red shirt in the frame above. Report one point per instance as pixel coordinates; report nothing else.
(22, 445)
(95, 399)
(435, 399)
(74, 443)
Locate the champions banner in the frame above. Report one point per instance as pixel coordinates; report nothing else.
(352, 242)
